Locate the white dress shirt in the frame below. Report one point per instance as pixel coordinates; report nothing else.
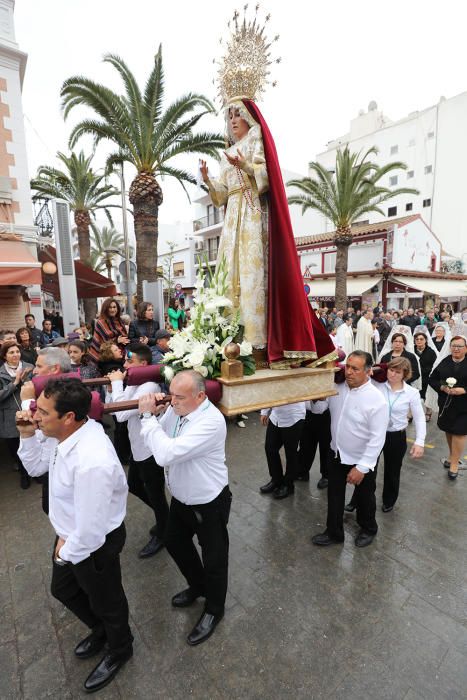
(139, 449)
(317, 407)
(87, 487)
(399, 403)
(285, 416)
(359, 420)
(191, 450)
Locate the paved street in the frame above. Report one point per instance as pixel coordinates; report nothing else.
(389, 621)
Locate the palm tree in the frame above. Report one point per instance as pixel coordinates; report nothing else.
(86, 192)
(105, 244)
(343, 197)
(145, 135)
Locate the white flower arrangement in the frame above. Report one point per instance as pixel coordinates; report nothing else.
(451, 382)
(213, 325)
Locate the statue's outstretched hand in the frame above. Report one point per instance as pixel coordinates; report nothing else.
(204, 170)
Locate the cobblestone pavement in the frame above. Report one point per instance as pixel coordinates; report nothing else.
(388, 621)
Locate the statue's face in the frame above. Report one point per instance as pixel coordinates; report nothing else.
(238, 125)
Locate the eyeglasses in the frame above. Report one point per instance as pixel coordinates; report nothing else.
(457, 347)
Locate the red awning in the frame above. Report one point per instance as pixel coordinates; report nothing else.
(90, 284)
(18, 266)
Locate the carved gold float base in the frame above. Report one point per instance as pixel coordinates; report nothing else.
(271, 387)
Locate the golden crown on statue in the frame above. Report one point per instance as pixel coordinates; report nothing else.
(244, 69)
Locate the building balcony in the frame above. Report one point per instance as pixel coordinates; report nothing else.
(209, 224)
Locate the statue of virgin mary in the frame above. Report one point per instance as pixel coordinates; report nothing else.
(264, 278)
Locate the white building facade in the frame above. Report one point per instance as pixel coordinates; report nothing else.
(397, 262)
(20, 271)
(433, 144)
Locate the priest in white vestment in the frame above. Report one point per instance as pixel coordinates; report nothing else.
(364, 337)
(344, 336)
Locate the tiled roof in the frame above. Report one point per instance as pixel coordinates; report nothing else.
(357, 231)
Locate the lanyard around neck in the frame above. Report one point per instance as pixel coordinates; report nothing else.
(391, 403)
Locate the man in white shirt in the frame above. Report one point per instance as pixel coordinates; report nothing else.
(359, 419)
(50, 361)
(316, 431)
(189, 441)
(284, 429)
(145, 477)
(88, 493)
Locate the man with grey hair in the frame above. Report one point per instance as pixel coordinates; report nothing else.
(189, 441)
(359, 419)
(50, 361)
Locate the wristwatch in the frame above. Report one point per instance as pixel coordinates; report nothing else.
(146, 414)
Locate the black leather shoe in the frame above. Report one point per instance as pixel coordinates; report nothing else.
(452, 475)
(151, 548)
(322, 483)
(105, 671)
(283, 491)
(269, 487)
(303, 477)
(349, 507)
(324, 540)
(386, 509)
(203, 629)
(153, 531)
(90, 646)
(185, 598)
(24, 480)
(363, 539)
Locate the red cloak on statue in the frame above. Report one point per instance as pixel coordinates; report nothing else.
(292, 323)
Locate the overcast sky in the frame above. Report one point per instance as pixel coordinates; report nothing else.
(337, 56)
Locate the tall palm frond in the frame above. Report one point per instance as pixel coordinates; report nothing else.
(344, 196)
(147, 134)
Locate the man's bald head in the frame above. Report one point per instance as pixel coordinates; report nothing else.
(188, 392)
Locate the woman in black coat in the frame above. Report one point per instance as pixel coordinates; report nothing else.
(144, 329)
(399, 341)
(426, 357)
(13, 373)
(449, 380)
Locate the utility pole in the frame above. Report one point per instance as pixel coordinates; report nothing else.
(126, 244)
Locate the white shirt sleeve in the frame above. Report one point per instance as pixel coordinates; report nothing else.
(419, 419)
(171, 450)
(35, 453)
(121, 394)
(92, 497)
(377, 425)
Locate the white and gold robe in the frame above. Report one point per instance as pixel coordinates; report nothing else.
(344, 337)
(244, 240)
(364, 337)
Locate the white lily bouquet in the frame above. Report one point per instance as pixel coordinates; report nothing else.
(214, 324)
(451, 382)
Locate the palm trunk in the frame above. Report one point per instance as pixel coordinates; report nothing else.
(82, 221)
(146, 196)
(342, 240)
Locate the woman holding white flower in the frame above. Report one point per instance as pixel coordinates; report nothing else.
(449, 380)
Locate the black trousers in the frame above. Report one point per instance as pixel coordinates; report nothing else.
(93, 591)
(395, 447)
(208, 522)
(316, 432)
(364, 495)
(13, 447)
(146, 481)
(289, 439)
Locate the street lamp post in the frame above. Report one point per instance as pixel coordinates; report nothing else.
(126, 244)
